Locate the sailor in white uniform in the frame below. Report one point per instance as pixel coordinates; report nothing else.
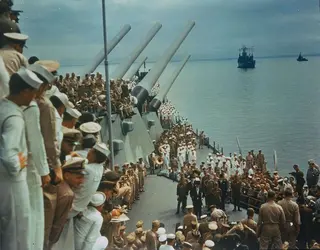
(87, 227)
(4, 80)
(61, 102)
(170, 242)
(94, 168)
(15, 206)
(38, 168)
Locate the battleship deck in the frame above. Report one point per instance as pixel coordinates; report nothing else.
(159, 201)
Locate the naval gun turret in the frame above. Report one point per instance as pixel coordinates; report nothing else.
(135, 68)
(142, 90)
(158, 99)
(123, 67)
(100, 56)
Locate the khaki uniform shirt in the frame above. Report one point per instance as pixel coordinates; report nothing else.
(13, 60)
(291, 211)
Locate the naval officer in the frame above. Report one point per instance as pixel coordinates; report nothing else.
(12, 50)
(87, 227)
(38, 168)
(14, 196)
(73, 174)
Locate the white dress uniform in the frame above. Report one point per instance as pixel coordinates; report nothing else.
(87, 229)
(59, 133)
(14, 195)
(4, 80)
(37, 167)
(87, 189)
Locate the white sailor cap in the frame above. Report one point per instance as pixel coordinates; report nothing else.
(64, 99)
(171, 236)
(16, 36)
(73, 112)
(197, 179)
(209, 243)
(90, 127)
(101, 243)
(102, 148)
(189, 206)
(180, 228)
(29, 78)
(98, 199)
(187, 244)
(280, 180)
(52, 91)
(162, 238)
(203, 216)
(213, 225)
(161, 230)
(43, 72)
(50, 65)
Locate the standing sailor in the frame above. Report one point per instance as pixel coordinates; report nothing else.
(15, 206)
(12, 50)
(48, 130)
(38, 168)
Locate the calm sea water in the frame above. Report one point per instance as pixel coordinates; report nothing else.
(273, 107)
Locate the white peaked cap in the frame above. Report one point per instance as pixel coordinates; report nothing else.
(73, 112)
(42, 71)
(171, 236)
(209, 243)
(213, 226)
(162, 238)
(180, 227)
(16, 36)
(102, 148)
(30, 78)
(161, 230)
(64, 99)
(90, 127)
(101, 243)
(98, 199)
(203, 216)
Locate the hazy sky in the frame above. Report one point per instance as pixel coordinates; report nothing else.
(71, 30)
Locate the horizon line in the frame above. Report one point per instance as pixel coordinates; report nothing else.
(118, 61)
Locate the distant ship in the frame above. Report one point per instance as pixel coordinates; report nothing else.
(245, 60)
(301, 58)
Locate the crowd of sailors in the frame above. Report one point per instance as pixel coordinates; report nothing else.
(58, 192)
(288, 207)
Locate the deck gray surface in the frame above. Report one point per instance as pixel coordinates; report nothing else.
(159, 201)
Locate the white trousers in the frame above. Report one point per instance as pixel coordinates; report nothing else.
(36, 211)
(15, 215)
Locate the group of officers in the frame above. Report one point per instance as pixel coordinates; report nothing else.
(287, 211)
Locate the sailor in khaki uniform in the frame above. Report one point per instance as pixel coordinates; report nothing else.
(73, 174)
(270, 223)
(15, 206)
(91, 128)
(151, 236)
(38, 168)
(87, 227)
(12, 52)
(188, 218)
(292, 214)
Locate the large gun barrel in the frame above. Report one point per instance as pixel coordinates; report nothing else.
(111, 45)
(123, 67)
(142, 90)
(158, 99)
(131, 73)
